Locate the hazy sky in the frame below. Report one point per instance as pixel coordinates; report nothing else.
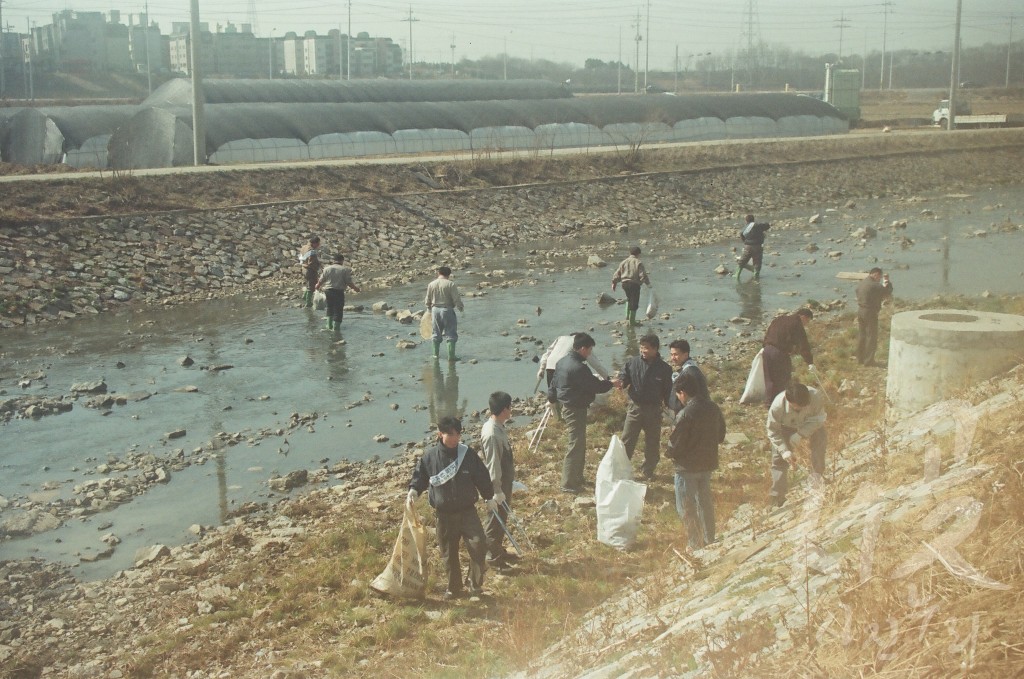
(573, 30)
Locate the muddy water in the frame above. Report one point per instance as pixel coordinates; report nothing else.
(362, 385)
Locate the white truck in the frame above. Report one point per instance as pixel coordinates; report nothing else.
(965, 119)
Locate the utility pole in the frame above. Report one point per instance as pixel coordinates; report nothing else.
(348, 45)
(1010, 42)
(198, 126)
(3, 66)
(636, 62)
(841, 23)
(410, 20)
(504, 59)
(149, 72)
(864, 62)
(675, 87)
(270, 54)
(647, 58)
(954, 76)
(453, 56)
(885, 29)
(619, 69)
(28, 56)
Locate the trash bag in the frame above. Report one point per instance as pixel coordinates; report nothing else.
(755, 389)
(319, 300)
(620, 500)
(406, 574)
(652, 303)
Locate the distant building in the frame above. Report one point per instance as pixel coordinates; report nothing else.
(89, 42)
(228, 52)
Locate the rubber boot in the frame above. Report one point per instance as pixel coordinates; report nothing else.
(330, 323)
(337, 324)
(739, 270)
(307, 298)
(437, 349)
(631, 316)
(451, 352)
(757, 275)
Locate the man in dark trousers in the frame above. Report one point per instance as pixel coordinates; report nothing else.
(647, 380)
(871, 292)
(333, 281)
(456, 477)
(785, 336)
(693, 448)
(752, 236)
(496, 450)
(632, 274)
(574, 388)
(309, 260)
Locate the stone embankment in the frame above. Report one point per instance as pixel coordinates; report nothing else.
(63, 268)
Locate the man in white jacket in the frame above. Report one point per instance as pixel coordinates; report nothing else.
(796, 415)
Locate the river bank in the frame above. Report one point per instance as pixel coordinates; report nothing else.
(392, 233)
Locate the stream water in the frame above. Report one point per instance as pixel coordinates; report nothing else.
(362, 385)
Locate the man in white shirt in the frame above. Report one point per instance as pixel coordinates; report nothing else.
(796, 415)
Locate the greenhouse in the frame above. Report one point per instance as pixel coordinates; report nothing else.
(277, 120)
(253, 132)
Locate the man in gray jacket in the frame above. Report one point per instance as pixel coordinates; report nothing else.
(496, 450)
(796, 415)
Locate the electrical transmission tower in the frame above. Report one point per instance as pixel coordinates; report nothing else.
(253, 20)
(752, 34)
(841, 23)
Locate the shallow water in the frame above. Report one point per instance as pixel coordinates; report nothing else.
(284, 363)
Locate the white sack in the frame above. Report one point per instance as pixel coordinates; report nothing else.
(755, 389)
(620, 500)
(652, 303)
(319, 300)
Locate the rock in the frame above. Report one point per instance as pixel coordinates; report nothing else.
(721, 270)
(596, 262)
(735, 438)
(185, 361)
(294, 479)
(187, 389)
(381, 438)
(604, 299)
(899, 224)
(176, 434)
(406, 344)
(94, 387)
(381, 306)
(865, 233)
(815, 219)
(147, 555)
(28, 522)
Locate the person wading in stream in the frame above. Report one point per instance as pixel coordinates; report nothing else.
(442, 300)
(333, 281)
(309, 260)
(631, 273)
(752, 236)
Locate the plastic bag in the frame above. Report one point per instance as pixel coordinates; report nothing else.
(406, 574)
(652, 303)
(620, 500)
(319, 300)
(755, 389)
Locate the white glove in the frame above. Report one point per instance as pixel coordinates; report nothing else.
(786, 454)
(492, 506)
(810, 368)
(499, 498)
(795, 439)
(411, 497)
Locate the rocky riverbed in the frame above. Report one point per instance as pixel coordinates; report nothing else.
(58, 270)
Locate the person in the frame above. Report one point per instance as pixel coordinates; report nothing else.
(456, 478)
(786, 335)
(693, 449)
(333, 281)
(752, 236)
(871, 292)
(647, 380)
(497, 454)
(573, 388)
(309, 260)
(681, 361)
(442, 300)
(631, 273)
(796, 415)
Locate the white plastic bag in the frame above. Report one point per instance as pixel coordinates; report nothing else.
(620, 500)
(652, 303)
(319, 300)
(755, 389)
(406, 574)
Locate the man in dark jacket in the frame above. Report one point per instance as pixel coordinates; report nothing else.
(752, 236)
(871, 292)
(647, 380)
(456, 477)
(574, 387)
(785, 336)
(693, 448)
